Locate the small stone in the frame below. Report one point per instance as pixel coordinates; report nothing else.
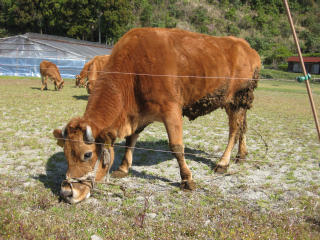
(93, 201)
(96, 237)
(206, 223)
(20, 168)
(117, 199)
(28, 184)
(140, 198)
(151, 215)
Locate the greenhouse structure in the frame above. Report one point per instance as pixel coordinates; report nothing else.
(21, 55)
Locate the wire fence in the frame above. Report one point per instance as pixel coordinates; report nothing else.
(101, 73)
(210, 155)
(119, 146)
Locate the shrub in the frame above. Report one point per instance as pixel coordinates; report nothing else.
(233, 30)
(283, 67)
(200, 19)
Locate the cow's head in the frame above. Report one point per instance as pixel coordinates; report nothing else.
(80, 81)
(89, 154)
(60, 84)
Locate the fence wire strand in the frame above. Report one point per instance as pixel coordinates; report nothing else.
(169, 75)
(210, 155)
(181, 76)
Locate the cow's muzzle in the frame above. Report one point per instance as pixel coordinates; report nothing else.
(73, 191)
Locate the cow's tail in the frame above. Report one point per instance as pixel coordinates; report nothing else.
(256, 74)
(244, 97)
(255, 78)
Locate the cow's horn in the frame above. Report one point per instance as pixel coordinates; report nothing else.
(64, 134)
(89, 134)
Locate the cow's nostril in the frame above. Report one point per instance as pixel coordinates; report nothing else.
(66, 190)
(66, 194)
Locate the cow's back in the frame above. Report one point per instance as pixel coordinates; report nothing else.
(224, 62)
(85, 69)
(51, 70)
(97, 66)
(44, 67)
(174, 65)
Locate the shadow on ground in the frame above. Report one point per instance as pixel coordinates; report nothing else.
(39, 88)
(148, 153)
(56, 168)
(81, 97)
(145, 155)
(56, 165)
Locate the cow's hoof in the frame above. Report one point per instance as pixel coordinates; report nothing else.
(188, 185)
(221, 169)
(119, 174)
(239, 159)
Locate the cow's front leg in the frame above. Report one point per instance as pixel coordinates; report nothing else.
(55, 85)
(126, 163)
(46, 83)
(42, 83)
(173, 124)
(236, 118)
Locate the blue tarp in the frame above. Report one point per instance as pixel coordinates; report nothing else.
(29, 67)
(21, 55)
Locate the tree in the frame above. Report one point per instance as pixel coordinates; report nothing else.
(146, 14)
(117, 15)
(22, 15)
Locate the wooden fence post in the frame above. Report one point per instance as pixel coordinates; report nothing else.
(303, 68)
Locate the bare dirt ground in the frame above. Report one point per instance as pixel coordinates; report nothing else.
(275, 194)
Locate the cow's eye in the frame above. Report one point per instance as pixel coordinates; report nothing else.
(87, 156)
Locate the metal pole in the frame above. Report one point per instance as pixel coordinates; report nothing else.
(303, 68)
(99, 29)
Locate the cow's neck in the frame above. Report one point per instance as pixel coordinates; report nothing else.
(108, 109)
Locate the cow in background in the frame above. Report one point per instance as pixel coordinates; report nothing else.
(95, 69)
(90, 71)
(50, 70)
(172, 73)
(81, 79)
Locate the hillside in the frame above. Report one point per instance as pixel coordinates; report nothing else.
(261, 22)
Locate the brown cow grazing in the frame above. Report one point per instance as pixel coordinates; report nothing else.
(95, 69)
(50, 70)
(176, 73)
(81, 78)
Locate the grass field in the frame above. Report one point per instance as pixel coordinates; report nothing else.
(275, 194)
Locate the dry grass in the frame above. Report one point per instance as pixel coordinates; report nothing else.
(274, 195)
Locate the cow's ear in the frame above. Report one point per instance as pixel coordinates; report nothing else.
(107, 138)
(57, 133)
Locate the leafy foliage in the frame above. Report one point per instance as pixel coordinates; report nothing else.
(200, 19)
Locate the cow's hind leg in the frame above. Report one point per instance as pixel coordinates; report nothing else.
(236, 120)
(173, 124)
(126, 163)
(242, 149)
